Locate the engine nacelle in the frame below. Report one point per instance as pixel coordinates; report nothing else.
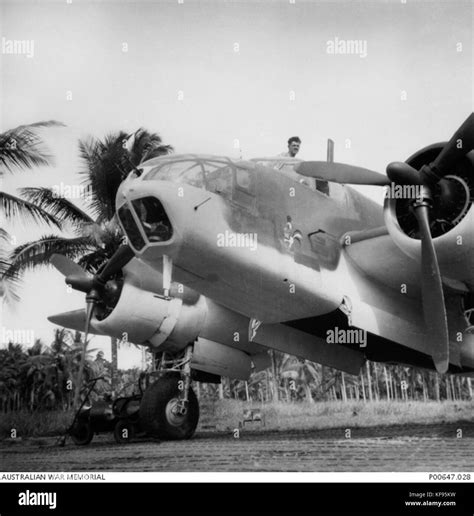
(147, 318)
(452, 230)
(169, 324)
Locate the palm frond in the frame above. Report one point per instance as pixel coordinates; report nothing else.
(44, 123)
(22, 148)
(8, 286)
(146, 146)
(103, 173)
(5, 237)
(93, 261)
(13, 206)
(59, 207)
(38, 253)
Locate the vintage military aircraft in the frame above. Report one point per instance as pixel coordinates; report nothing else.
(227, 259)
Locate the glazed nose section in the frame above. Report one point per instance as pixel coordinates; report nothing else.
(145, 221)
(154, 219)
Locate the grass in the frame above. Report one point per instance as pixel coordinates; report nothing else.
(223, 415)
(34, 424)
(227, 414)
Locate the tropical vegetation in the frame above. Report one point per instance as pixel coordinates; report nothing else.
(90, 235)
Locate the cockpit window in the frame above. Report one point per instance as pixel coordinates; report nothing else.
(214, 175)
(130, 227)
(243, 179)
(218, 177)
(189, 172)
(154, 219)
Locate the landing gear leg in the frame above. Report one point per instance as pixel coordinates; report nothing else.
(185, 384)
(169, 407)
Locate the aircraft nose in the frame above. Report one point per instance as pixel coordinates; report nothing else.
(159, 216)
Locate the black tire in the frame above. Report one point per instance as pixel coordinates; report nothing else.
(155, 410)
(81, 432)
(122, 437)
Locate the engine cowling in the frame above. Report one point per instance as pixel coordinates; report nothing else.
(169, 324)
(451, 224)
(145, 317)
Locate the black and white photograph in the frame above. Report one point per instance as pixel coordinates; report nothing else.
(237, 242)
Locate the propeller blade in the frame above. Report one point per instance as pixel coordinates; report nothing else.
(458, 146)
(118, 260)
(167, 273)
(434, 308)
(66, 266)
(83, 282)
(402, 173)
(341, 173)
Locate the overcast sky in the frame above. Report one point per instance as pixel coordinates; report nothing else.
(228, 78)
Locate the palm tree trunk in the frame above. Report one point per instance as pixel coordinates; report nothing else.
(275, 382)
(423, 381)
(453, 389)
(323, 381)
(394, 387)
(309, 397)
(221, 389)
(387, 386)
(459, 386)
(362, 385)
(343, 388)
(376, 383)
(369, 381)
(114, 351)
(436, 386)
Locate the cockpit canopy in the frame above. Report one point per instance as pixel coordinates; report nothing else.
(212, 173)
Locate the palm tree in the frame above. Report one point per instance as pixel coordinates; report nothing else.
(95, 236)
(303, 373)
(20, 148)
(12, 359)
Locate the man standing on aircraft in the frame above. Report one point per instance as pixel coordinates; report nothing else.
(293, 147)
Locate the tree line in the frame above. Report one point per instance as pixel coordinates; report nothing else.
(42, 377)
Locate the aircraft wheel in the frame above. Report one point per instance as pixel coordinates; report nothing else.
(82, 433)
(158, 410)
(124, 431)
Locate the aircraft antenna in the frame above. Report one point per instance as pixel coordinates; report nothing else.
(330, 151)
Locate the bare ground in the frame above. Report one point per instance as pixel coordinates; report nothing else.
(447, 447)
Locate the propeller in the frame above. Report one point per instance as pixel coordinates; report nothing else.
(94, 287)
(341, 173)
(429, 176)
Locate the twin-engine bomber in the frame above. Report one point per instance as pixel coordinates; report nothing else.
(228, 259)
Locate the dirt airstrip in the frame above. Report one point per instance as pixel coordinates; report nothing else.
(435, 447)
